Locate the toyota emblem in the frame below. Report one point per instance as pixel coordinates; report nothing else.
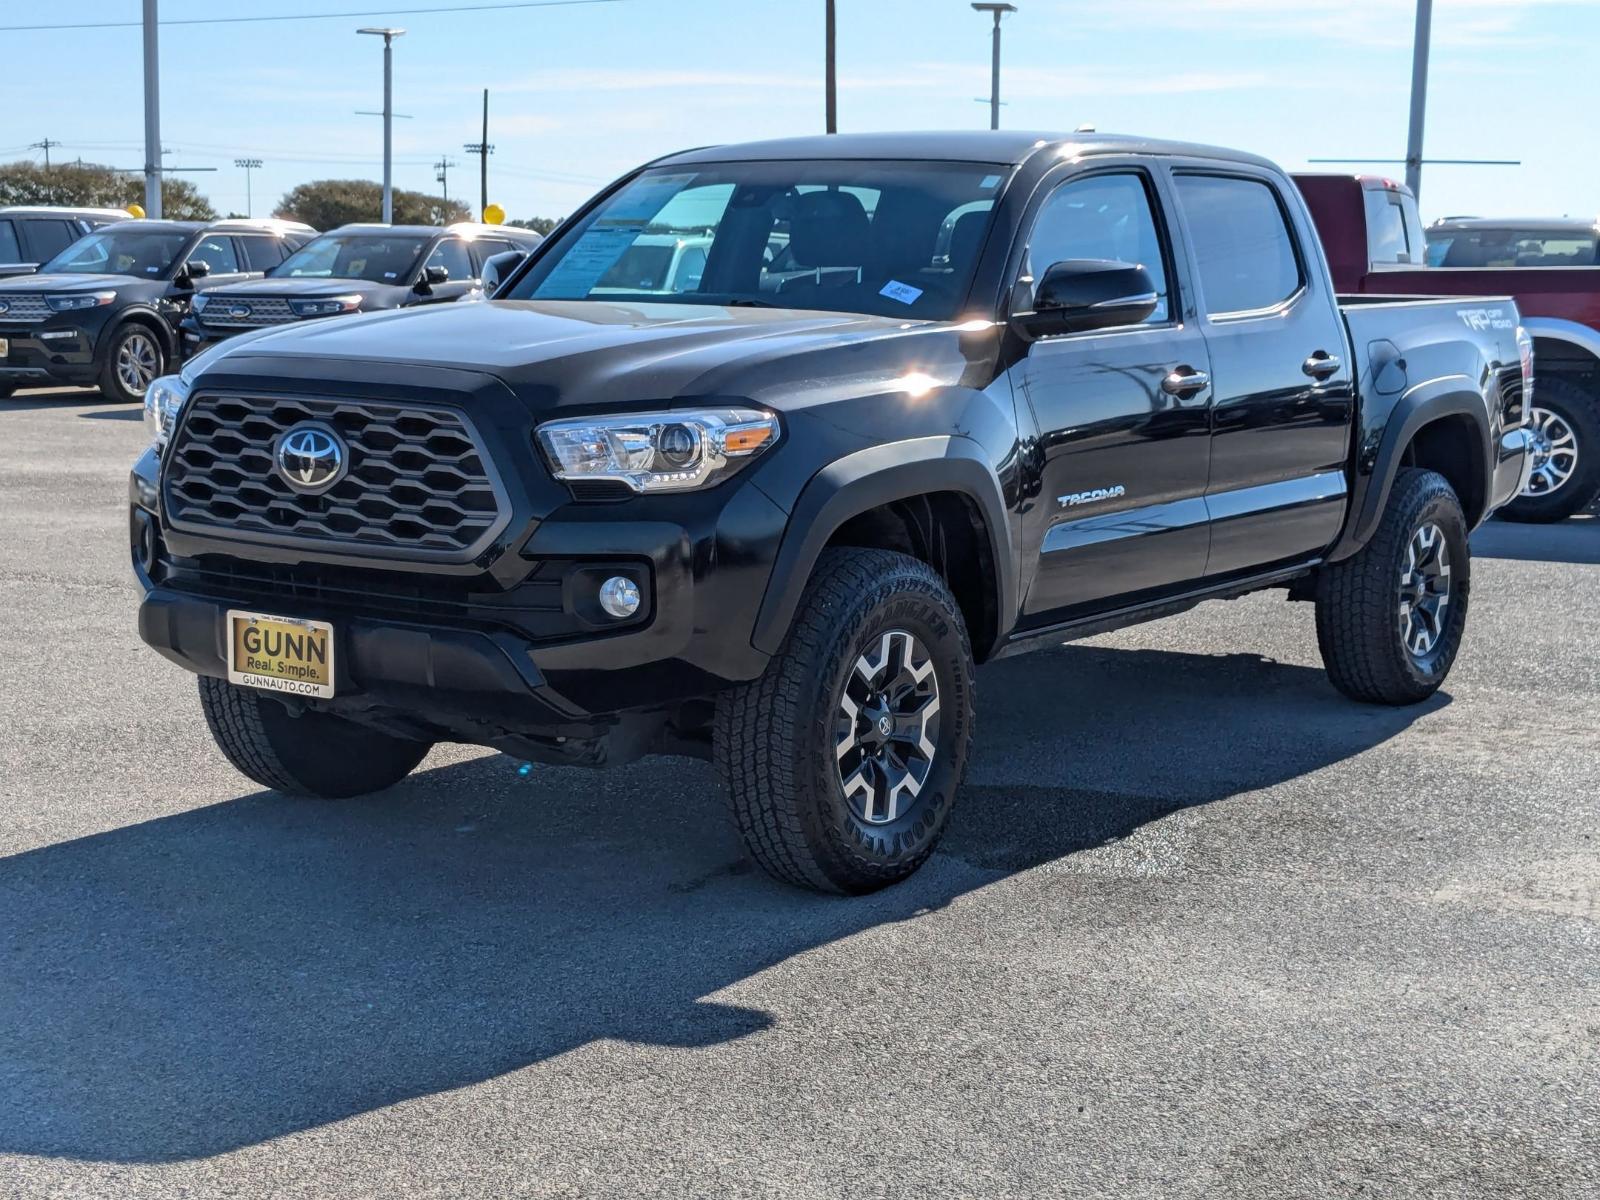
(311, 457)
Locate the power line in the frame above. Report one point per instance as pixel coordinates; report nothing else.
(369, 12)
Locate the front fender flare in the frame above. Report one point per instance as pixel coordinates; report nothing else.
(871, 478)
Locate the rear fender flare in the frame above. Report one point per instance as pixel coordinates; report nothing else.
(1434, 400)
(869, 479)
(1580, 337)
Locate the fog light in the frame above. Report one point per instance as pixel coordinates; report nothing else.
(619, 596)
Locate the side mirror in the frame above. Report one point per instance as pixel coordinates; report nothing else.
(197, 268)
(433, 275)
(1083, 294)
(498, 267)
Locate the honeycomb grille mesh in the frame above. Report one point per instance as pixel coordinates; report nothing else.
(417, 478)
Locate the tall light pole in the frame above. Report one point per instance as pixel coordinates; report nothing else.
(388, 36)
(1419, 95)
(248, 165)
(998, 10)
(830, 76)
(152, 114)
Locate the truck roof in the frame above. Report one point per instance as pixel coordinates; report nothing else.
(984, 146)
(1580, 225)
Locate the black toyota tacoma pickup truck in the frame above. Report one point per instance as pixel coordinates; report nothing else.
(997, 391)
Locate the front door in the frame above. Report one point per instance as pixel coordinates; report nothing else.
(1123, 416)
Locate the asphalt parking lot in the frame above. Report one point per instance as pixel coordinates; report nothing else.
(1202, 927)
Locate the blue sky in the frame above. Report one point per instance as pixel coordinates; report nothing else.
(580, 93)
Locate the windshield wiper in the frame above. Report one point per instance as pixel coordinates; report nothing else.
(747, 302)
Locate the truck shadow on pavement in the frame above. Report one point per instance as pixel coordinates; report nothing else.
(212, 980)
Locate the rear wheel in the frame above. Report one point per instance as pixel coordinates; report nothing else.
(133, 357)
(1390, 618)
(843, 759)
(313, 754)
(1565, 423)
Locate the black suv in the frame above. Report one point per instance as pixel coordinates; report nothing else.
(931, 399)
(105, 310)
(358, 268)
(32, 234)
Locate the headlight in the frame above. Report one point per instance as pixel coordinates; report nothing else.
(325, 308)
(163, 401)
(76, 300)
(659, 451)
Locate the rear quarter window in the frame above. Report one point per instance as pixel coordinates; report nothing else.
(1243, 249)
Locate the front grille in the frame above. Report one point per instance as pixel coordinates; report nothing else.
(219, 312)
(418, 482)
(30, 309)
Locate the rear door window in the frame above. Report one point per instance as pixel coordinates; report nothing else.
(1243, 249)
(43, 240)
(261, 253)
(10, 247)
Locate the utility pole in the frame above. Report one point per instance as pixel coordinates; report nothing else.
(482, 149)
(998, 10)
(830, 75)
(247, 165)
(45, 146)
(443, 167)
(152, 114)
(388, 36)
(1419, 95)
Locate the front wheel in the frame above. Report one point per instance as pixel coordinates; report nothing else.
(1565, 423)
(842, 761)
(312, 754)
(1391, 617)
(133, 358)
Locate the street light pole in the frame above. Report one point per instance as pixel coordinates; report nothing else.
(1419, 95)
(830, 77)
(388, 36)
(994, 71)
(248, 165)
(152, 114)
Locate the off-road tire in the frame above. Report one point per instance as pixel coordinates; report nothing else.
(313, 754)
(110, 382)
(775, 739)
(1359, 627)
(1580, 411)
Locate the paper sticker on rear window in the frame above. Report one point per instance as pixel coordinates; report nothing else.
(902, 292)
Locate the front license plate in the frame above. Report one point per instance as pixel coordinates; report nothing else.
(280, 654)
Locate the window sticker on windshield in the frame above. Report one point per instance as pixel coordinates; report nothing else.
(645, 197)
(595, 253)
(989, 181)
(902, 292)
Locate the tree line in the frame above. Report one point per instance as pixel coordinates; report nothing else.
(322, 204)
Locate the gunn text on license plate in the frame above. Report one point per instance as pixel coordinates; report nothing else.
(281, 654)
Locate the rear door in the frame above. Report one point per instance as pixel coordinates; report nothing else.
(1283, 399)
(1123, 414)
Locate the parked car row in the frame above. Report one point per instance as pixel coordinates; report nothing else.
(120, 302)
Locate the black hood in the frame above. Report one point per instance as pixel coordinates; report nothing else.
(69, 281)
(558, 354)
(302, 288)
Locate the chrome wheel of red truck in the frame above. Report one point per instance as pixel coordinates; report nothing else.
(1565, 423)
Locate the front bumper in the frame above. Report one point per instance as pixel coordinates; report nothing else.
(56, 353)
(518, 651)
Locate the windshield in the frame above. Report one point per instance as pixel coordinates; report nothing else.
(1511, 248)
(889, 238)
(375, 257)
(114, 251)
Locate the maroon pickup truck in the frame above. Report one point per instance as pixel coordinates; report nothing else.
(1375, 244)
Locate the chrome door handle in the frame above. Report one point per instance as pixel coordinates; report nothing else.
(1184, 381)
(1321, 365)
